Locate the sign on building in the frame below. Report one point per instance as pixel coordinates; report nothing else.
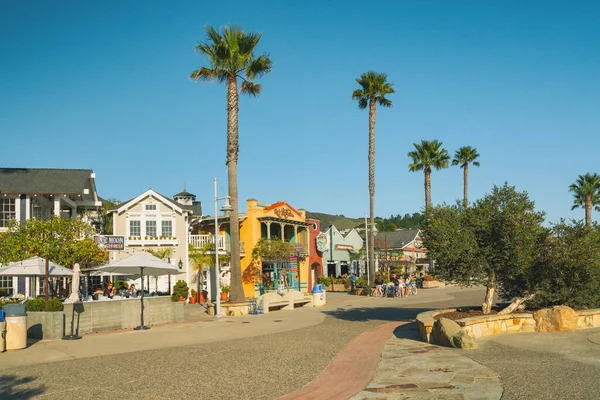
(110, 242)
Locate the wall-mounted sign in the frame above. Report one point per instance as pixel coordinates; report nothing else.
(344, 247)
(322, 242)
(283, 212)
(110, 242)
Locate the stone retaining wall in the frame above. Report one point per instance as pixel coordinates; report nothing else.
(103, 316)
(480, 326)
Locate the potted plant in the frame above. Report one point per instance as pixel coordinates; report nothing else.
(193, 297)
(180, 291)
(429, 282)
(225, 292)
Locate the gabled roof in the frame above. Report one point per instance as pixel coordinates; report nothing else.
(185, 194)
(396, 239)
(282, 203)
(126, 204)
(45, 180)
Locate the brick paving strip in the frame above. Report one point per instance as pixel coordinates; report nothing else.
(412, 369)
(351, 370)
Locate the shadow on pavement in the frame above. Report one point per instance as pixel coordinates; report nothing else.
(376, 313)
(408, 331)
(9, 387)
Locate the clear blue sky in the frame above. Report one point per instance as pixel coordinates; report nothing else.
(104, 85)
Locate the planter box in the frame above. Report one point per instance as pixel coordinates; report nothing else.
(339, 287)
(430, 284)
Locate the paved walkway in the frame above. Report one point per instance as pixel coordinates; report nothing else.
(412, 369)
(250, 357)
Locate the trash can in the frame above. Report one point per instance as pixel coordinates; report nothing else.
(319, 296)
(2, 332)
(15, 316)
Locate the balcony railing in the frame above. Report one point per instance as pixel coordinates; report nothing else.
(198, 241)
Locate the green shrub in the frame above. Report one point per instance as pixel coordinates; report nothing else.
(54, 305)
(324, 280)
(36, 305)
(40, 304)
(10, 301)
(568, 271)
(180, 290)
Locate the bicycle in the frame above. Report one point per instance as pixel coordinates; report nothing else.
(413, 288)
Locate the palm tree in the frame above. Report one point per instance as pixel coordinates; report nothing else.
(463, 157)
(231, 56)
(427, 155)
(374, 88)
(586, 191)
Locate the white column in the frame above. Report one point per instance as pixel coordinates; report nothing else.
(268, 229)
(57, 206)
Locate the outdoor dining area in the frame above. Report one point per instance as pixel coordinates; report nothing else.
(103, 308)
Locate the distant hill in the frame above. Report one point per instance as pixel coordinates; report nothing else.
(340, 221)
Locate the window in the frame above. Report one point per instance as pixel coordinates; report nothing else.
(151, 228)
(36, 210)
(135, 228)
(150, 207)
(6, 285)
(167, 228)
(7, 212)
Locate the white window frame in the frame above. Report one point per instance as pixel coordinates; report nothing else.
(15, 212)
(162, 221)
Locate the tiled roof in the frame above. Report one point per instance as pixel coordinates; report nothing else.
(44, 180)
(191, 208)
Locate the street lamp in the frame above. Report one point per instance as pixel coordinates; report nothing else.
(226, 208)
(180, 263)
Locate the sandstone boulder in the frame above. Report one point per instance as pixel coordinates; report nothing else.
(443, 330)
(556, 319)
(462, 340)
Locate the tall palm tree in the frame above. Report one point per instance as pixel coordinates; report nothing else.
(374, 88)
(463, 157)
(429, 154)
(586, 191)
(231, 57)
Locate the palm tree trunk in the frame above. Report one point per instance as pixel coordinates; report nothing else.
(427, 188)
(237, 290)
(372, 111)
(588, 210)
(466, 187)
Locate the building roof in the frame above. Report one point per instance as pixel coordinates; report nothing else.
(184, 194)
(44, 180)
(396, 239)
(193, 208)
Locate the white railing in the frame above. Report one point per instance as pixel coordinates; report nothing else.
(198, 241)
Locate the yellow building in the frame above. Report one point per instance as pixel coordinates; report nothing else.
(268, 221)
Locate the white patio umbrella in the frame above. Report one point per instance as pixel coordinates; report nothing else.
(33, 267)
(74, 296)
(140, 263)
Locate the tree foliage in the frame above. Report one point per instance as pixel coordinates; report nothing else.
(568, 270)
(498, 240)
(65, 241)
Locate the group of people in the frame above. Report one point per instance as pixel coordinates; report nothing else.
(400, 286)
(110, 291)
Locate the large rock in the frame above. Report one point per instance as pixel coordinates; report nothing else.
(443, 330)
(462, 340)
(556, 319)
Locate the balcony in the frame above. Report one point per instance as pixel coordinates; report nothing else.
(198, 241)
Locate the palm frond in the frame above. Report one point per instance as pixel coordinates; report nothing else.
(374, 85)
(259, 67)
(204, 74)
(251, 88)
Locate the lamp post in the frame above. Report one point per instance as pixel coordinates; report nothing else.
(367, 260)
(226, 207)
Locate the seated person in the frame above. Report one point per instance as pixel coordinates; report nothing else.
(110, 291)
(97, 292)
(131, 291)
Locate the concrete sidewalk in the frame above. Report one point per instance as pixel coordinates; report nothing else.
(199, 331)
